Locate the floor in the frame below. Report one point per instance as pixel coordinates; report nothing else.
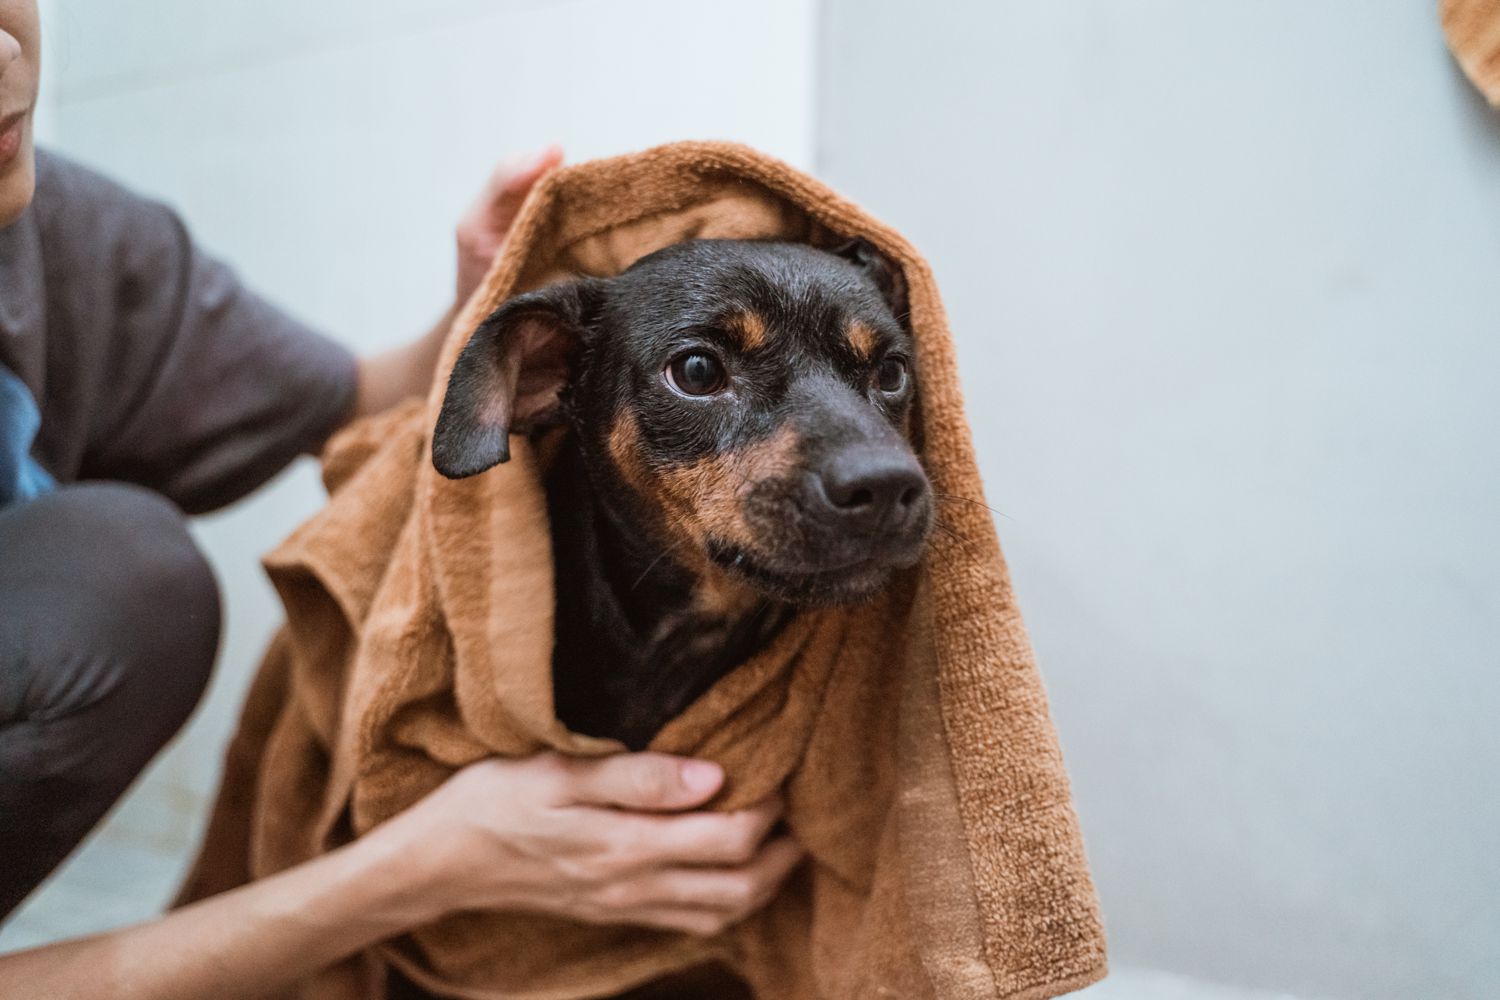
(126, 871)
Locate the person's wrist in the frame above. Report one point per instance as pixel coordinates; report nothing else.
(420, 865)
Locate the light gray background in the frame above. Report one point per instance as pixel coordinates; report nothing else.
(1226, 283)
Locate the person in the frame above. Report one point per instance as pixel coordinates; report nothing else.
(138, 380)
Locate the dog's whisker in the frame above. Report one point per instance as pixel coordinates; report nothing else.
(977, 503)
(953, 534)
(649, 567)
(672, 544)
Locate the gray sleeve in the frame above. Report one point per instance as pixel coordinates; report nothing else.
(215, 390)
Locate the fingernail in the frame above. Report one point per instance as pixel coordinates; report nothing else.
(700, 775)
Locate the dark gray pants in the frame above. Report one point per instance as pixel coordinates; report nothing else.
(109, 621)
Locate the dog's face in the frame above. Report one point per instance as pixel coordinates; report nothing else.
(745, 403)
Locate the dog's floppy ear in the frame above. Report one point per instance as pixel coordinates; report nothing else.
(886, 276)
(508, 376)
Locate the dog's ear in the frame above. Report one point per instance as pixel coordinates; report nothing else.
(886, 276)
(509, 375)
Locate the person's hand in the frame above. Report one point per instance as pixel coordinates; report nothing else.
(604, 841)
(482, 230)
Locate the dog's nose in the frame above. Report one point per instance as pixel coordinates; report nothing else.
(873, 488)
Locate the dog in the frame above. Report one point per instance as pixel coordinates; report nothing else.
(739, 448)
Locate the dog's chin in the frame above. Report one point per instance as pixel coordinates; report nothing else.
(852, 582)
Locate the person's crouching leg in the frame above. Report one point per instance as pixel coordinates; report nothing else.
(109, 623)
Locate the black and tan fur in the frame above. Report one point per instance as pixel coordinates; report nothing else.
(687, 526)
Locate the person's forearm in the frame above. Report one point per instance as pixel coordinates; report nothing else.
(387, 378)
(245, 943)
(571, 838)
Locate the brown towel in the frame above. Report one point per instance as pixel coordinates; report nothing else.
(1473, 30)
(911, 736)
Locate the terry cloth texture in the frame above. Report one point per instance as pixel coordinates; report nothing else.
(1473, 30)
(911, 736)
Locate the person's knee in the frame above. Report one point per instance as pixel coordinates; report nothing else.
(109, 636)
(165, 583)
(143, 607)
(170, 573)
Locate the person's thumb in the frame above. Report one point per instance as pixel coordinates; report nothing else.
(646, 781)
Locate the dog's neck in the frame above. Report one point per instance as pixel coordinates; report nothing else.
(635, 643)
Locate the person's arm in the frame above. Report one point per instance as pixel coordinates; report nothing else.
(602, 841)
(387, 378)
(177, 376)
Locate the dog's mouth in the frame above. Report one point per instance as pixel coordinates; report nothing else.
(845, 582)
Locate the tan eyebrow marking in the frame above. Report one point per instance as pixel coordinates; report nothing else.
(750, 328)
(861, 338)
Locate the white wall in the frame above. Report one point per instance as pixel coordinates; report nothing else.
(326, 150)
(1226, 281)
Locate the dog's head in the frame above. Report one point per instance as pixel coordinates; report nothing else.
(745, 403)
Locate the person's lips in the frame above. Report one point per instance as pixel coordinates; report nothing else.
(12, 131)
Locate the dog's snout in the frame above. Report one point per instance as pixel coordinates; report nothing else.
(874, 488)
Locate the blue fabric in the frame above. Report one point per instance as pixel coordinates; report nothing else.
(21, 478)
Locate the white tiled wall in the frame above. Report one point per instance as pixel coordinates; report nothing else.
(326, 149)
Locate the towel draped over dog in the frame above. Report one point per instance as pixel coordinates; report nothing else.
(909, 735)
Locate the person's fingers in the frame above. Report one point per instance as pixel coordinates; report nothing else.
(510, 182)
(734, 892)
(612, 844)
(700, 923)
(705, 838)
(517, 176)
(644, 781)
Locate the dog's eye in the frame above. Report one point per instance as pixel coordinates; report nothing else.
(696, 373)
(891, 375)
